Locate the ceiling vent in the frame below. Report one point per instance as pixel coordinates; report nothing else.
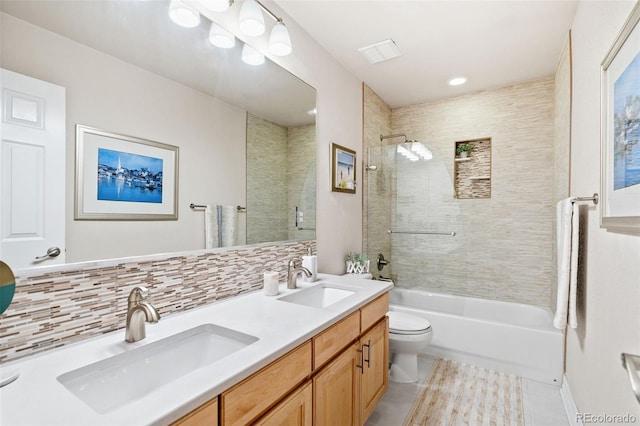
(381, 51)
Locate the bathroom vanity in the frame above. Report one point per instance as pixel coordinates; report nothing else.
(317, 354)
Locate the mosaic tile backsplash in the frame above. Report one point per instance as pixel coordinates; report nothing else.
(69, 304)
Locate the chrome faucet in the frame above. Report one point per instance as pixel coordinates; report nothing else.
(295, 267)
(139, 311)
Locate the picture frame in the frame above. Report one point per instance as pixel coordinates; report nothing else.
(343, 169)
(120, 177)
(620, 128)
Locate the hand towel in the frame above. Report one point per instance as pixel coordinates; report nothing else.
(228, 225)
(567, 257)
(210, 227)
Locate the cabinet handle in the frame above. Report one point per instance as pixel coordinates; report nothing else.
(368, 359)
(361, 366)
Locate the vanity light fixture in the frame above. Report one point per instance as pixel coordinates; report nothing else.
(220, 37)
(457, 81)
(183, 15)
(251, 56)
(251, 21)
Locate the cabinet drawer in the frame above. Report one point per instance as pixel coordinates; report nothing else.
(205, 415)
(331, 341)
(374, 311)
(253, 396)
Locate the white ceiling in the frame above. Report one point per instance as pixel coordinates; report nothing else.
(494, 43)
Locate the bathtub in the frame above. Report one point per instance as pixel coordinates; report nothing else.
(509, 337)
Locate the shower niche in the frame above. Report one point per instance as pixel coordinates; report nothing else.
(472, 168)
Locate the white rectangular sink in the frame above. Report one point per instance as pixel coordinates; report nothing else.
(116, 381)
(320, 296)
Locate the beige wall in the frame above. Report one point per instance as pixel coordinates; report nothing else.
(609, 302)
(112, 95)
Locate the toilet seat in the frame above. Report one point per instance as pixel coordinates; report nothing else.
(407, 324)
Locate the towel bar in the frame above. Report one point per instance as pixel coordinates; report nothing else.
(593, 198)
(452, 233)
(192, 206)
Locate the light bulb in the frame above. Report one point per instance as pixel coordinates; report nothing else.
(251, 21)
(279, 40)
(251, 56)
(183, 15)
(220, 37)
(216, 5)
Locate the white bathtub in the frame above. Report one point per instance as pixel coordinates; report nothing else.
(510, 337)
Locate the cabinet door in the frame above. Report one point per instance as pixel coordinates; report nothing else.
(374, 382)
(336, 390)
(295, 410)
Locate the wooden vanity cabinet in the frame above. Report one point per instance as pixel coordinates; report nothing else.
(335, 378)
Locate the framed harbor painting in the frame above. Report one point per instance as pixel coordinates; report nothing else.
(121, 177)
(343, 169)
(620, 139)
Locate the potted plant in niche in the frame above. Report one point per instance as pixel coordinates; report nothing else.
(463, 150)
(357, 263)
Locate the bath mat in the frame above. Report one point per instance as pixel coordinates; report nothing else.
(460, 394)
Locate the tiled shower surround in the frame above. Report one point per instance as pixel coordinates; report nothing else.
(503, 245)
(75, 302)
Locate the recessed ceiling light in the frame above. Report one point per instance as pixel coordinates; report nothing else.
(457, 81)
(381, 51)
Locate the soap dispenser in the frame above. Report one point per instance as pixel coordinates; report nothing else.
(310, 261)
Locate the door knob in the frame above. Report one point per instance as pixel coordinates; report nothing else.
(51, 252)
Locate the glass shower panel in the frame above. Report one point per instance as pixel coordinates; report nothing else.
(417, 204)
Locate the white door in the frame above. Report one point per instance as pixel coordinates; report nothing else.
(32, 171)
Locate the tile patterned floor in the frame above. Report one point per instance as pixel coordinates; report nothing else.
(542, 403)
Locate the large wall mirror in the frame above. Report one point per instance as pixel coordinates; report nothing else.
(246, 134)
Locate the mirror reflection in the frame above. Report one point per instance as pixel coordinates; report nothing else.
(245, 133)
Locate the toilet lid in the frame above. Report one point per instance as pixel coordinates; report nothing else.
(401, 323)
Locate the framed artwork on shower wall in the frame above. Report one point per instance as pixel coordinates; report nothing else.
(122, 177)
(343, 169)
(620, 127)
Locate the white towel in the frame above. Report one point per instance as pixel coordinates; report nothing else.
(227, 225)
(211, 239)
(568, 224)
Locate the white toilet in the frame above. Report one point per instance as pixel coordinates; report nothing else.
(408, 335)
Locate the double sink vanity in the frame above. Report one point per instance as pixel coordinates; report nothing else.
(316, 354)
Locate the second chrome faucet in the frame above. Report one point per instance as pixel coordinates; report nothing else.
(295, 268)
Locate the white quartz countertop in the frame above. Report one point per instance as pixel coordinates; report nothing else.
(38, 398)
